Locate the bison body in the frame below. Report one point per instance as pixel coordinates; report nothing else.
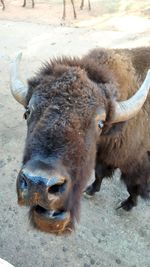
(65, 103)
(128, 148)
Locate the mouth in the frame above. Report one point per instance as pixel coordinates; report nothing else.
(51, 221)
(50, 214)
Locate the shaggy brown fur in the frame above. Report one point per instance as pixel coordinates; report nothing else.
(66, 96)
(129, 149)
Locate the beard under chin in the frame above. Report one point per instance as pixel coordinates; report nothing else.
(50, 226)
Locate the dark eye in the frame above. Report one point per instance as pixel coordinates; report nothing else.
(100, 124)
(27, 113)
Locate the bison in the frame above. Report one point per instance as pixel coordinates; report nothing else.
(83, 113)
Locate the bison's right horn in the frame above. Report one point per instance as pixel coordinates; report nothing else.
(127, 109)
(18, 89)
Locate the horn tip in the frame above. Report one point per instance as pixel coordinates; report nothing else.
(148, 72)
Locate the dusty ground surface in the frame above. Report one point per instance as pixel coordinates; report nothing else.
(104, 237)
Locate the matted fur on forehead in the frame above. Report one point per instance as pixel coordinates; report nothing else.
(73, 80)
(72, 83)
(58, 66)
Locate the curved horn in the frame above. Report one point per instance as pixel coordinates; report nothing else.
(126, 110)
(18, 89)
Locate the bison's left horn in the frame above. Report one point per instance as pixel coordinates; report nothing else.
(18, 89)
(126, 110)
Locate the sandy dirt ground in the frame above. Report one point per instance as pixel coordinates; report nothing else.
(105, 237)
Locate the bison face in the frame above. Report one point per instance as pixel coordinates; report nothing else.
(59, 156)
(63, 108)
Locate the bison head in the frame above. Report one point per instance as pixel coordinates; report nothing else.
(63, 108)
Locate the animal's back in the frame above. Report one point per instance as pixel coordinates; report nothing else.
(140, 58)
(128, 68)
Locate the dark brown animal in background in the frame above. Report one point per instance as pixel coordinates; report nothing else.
(3, 4)
(74, 11)
(24, 3)
(64, 6)
(82, 4)
(78, 119)
(64, 9)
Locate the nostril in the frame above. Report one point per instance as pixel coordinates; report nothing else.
(57, 188)
(22, 183)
